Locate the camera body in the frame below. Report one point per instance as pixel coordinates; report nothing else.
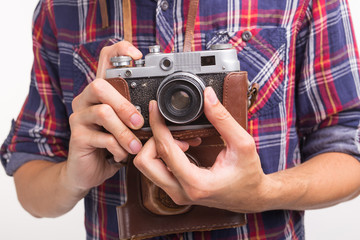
(177, 82)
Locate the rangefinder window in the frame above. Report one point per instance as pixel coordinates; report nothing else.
(208, 61)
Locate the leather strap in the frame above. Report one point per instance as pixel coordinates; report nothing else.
(104, 14)
(190, 25)
(126, 5)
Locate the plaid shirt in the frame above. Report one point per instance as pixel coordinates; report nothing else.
(302, 53)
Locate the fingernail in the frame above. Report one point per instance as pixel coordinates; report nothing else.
(211, 96)
(136, 120)
(135, 146)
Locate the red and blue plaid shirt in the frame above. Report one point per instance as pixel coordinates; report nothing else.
(302, 53)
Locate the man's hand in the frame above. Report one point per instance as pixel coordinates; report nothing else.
(97, 108)
(236, 181)
(236, 178)
(101, 121)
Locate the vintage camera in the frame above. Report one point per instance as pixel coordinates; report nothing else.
(176, 81)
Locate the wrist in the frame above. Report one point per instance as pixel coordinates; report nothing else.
(69, 185)
(266, 194)
(283, 190)
(270, 192)
(262, 197)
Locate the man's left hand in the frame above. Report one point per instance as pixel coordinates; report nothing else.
(235, 182)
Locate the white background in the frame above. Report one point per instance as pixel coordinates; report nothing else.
(339, 222)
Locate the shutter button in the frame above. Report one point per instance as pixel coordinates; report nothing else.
(164, 5)
(246, 36)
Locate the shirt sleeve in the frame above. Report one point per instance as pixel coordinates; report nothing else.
(328, 86)
(41, 131)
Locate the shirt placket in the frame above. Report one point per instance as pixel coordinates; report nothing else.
(165, 25)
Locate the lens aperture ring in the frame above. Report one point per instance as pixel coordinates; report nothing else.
(180, 97)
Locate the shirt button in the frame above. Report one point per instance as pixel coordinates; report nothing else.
(246, 36)
(164, 5)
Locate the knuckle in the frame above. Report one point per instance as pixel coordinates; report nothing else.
(113, 147)
(108, 51)
(122, 45)
(77, 137)
(105, 51)
(119, 153)
(124, 136)
(111, 142)
(139, 161)
(124, 133)
(126, 107)
(75, 102)
(248, 145)
(73, 119)
(97, 88)
(104, 111)
(76, 124)
(79, 140)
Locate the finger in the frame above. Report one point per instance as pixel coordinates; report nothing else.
(185, 144)
(85, 137)
(154, 169)
(186, 173)
(166, 146)
(193, 141)
(103, 115)
(114, 163)
(222, 120)
(100, 91)
(123, 48)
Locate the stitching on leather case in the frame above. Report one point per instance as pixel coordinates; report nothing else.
(200, 133)
(225, 98)
(211, 146)
(200, 227)
(179, 135)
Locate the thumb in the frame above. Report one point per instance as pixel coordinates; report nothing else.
(221, 119)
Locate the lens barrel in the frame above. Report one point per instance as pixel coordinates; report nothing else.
(180, 97)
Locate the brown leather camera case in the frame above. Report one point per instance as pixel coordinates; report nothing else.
(148, 211)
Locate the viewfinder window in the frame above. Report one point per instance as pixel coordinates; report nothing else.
(208, 61)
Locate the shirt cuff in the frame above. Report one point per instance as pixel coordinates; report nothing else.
(332, 139)
(17, 159)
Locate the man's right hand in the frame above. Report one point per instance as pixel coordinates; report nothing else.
(97, 108)
(49, 189)
(101, 122)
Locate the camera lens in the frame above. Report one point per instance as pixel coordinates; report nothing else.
(180, 97)
(180, 100)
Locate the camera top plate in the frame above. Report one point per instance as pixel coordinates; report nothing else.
(159, 64)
